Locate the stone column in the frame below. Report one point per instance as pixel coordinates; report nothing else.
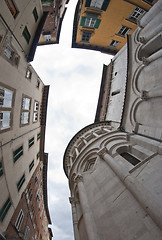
(87, 214)
(151, 14)
(145, 198)
(75, 218)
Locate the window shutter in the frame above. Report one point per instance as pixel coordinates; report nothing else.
(82, 22)
(97, 23)
(105, 5)
(88, 2)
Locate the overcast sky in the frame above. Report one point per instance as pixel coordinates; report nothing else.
(74, 76)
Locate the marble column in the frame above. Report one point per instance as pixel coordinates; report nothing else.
(145, 198)
(75, 218)
(87, 214)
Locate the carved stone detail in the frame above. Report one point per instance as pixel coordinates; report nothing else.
(79, 178)
(102, 152)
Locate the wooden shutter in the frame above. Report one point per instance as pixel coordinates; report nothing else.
(82, 22)
(97, 23)
(105, 5)
(88, 2)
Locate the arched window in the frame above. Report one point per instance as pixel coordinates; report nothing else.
(130, 158)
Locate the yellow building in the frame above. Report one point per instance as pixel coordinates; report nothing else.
(104, 24)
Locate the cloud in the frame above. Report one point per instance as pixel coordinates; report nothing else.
(74, 76)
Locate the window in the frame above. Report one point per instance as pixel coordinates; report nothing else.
(35, 14)
(26, 34)
(130, 158)
(90, 21)
(11, 55)
(4, 209)
(114, 43)
(36, 178)
(17, 153)
(27, 231)
(86, 36)
(31, 142)
(38, 155)
(38, 195)
(31, 165)
(38, 84)
(35, 114)
(19, 220)
(47, 37)
(20, 182)
(151, 2)
(99, 4)
(123, 31)
(1, 168)
(136, 14)
(11, 6)
(28, 73)
(25, 111)
(6, 102)
(38, 136)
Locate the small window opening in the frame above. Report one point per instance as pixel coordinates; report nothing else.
(115, 92)
(130, 158)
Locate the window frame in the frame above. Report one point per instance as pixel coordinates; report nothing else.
(35, 14)
(19, 153)
(35, 111)
(26, 34)
(25, 110)
(20, 182)
(4, 209)
(12, 8)
(125, 29)
(19, 220)
(31, 142)
(28, 70)
(87, 37)
(132, 17)
(114, 43)
(6, 108)
(31, 165)
(1, 168)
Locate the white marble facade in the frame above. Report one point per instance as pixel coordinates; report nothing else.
(114, 167)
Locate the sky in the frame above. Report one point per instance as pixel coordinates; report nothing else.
(74, 76)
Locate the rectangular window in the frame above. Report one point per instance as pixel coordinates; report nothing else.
(130, 158)
(86, 36)
(31, 165)
(38, 155)
(36, 106)
(19, 220)
(6, 96)
(25, 103)
(151, 2)
(5, 119)
(38, 136)
(31, 142)
(136, 14)
(12, 8)
(20, 182)
(1, 168)
(27, 231)
(24, 118)
(36, 178)
(17, 153)
(123, 31)
(26, 34)
(35, 14)
(6, 103)
(25, 112)
(28, 73)
(38, 84)
(4, 209)
(11, 55)
(114, 43)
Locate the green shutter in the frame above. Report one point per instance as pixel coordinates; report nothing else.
(97, 23)
(88, 2)
(82, 22)
(105, 5)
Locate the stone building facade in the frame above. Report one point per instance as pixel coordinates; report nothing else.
(23, 108)
(114, 165)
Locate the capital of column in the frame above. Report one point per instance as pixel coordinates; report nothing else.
(79, 178)
(102, 152)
